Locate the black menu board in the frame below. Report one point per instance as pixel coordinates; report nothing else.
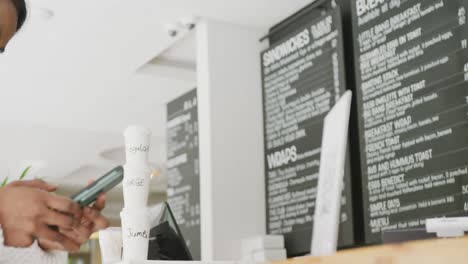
(411, 71)
(183, 168)
(303, 76)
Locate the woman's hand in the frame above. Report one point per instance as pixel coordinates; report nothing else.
(92, 217)
(91, 221)
(28, 209)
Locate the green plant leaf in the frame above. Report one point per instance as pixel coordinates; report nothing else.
(5, 181)
(25, 172)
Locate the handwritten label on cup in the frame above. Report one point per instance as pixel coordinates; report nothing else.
(140, 148)
(136, 182)
(136, 234)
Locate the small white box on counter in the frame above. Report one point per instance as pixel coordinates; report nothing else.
(260, 243)
(265, 256)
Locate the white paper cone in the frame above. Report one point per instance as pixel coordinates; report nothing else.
(110, 242)
(135, 234)
(136, 185)
(137, 142)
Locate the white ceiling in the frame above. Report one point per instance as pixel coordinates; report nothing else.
(69, 85)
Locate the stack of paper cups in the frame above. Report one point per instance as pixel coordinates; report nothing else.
(135, 215)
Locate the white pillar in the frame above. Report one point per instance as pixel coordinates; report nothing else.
(231, 137)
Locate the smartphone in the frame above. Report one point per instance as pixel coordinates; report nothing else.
(89, 194)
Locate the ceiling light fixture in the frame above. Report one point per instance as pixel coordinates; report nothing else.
(183, 25)
(172, 29)
(189, 22)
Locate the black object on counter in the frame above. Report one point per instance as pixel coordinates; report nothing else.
(403, 235)
(166, 240)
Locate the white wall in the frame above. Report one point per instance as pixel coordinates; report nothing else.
(231, 137)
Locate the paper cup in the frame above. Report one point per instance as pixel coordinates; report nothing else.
(135, 234)
(110, 242)
(137, 142)
(136, 184)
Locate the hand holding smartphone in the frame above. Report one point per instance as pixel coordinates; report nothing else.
(89, 194)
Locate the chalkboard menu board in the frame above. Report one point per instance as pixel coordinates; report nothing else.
(183, 168)
(411, 72)
(303, 76)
